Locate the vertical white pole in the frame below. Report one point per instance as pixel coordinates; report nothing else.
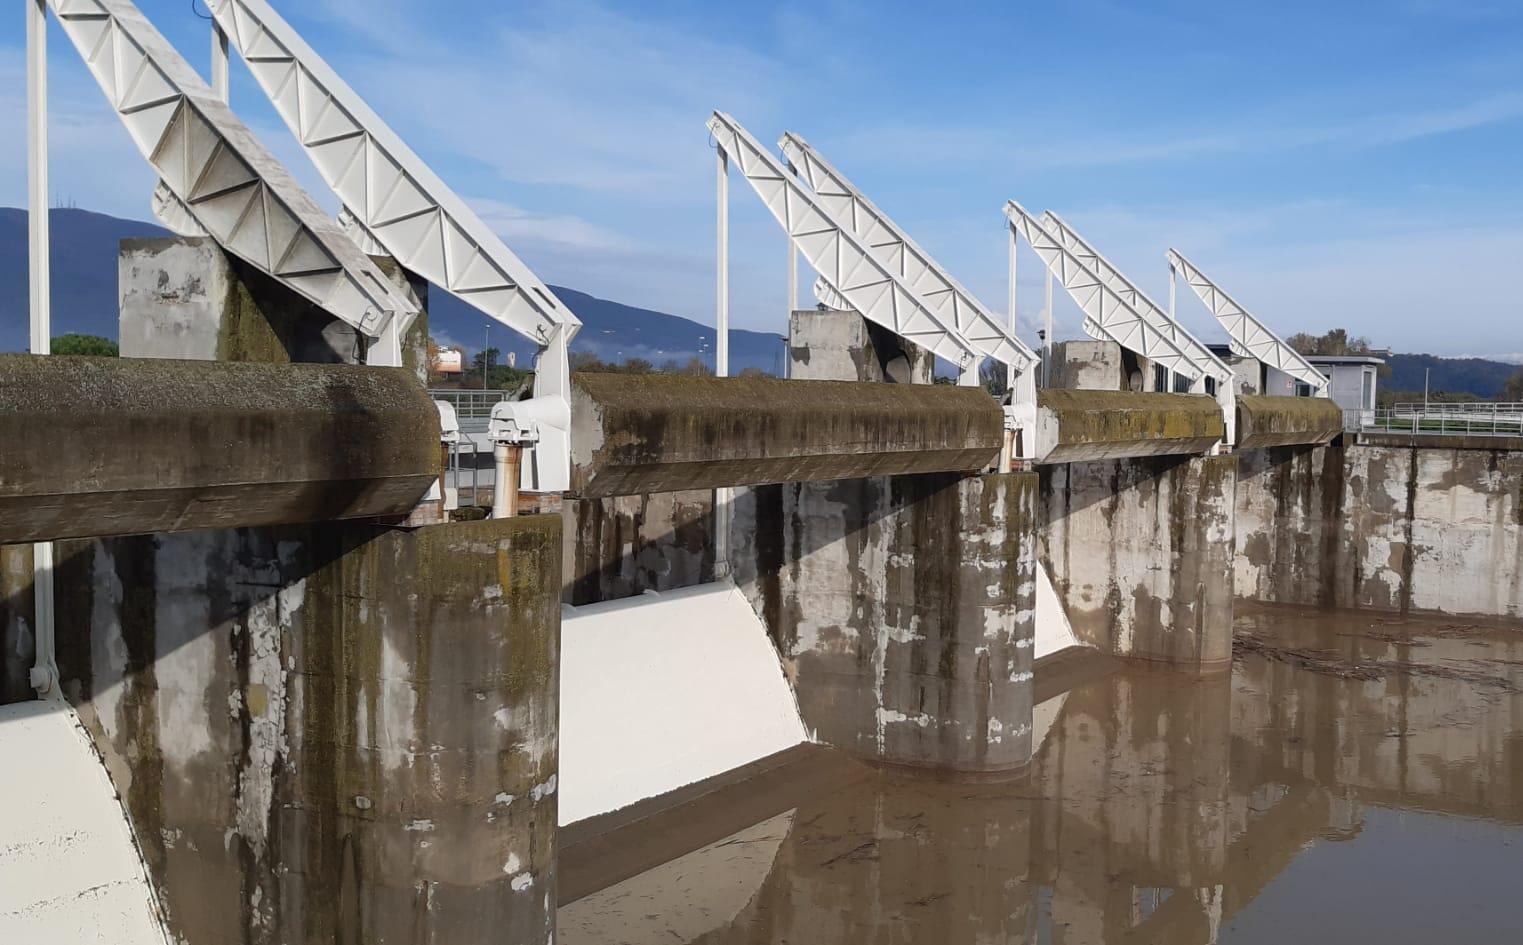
(1010, 306)
(1047, 349)
(793, 301)
(722, 346)
(219, 62)
(1173, 284)
(44, 675)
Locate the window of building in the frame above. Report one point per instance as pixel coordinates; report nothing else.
(1368, 397)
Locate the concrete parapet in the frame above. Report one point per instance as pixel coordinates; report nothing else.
(904, 610)
(1087, 425)
(108, 446)
(634, 434)
(329, 733)
(1286, 421)
(1141, 552)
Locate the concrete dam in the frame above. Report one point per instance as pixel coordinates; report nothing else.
(1123, 640)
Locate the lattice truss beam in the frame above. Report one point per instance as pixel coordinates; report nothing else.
(394, 196)
(1250, 338)
(229, 184)
(869, 286)
(894, 248)
(1106, 315)
(1136, 298)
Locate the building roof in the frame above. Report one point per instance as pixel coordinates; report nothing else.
(1337, 359)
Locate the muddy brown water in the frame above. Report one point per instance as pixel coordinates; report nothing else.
(1355, 778)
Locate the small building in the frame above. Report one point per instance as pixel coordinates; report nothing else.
(1352, 382)
(448, 361)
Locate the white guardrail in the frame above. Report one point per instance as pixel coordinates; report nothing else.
(1498, 419)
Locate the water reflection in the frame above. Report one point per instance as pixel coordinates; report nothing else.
(1352, 777)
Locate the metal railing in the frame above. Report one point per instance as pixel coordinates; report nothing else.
(1438, 419)
(472, 404)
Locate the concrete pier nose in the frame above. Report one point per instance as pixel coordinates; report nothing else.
(1286, 421)
(646, 433)
(97, 447)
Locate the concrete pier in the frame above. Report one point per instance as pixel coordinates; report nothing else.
(328, 733)
(1286, 421)
(904, 610)
(1086, 425)
(1141, 552)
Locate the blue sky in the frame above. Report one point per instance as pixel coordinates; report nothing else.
(1352, 164)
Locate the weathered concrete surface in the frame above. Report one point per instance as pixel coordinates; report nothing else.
(626, 545)
(183, 297)
(634, 434)
(1097, 365)
(1440, 441)
(904, 610)
(1385, 528)
(832, 345)
(113, 446)
(1141, 552)
(17, 643)
(1286, 421)
(331, 733)
(1085, 425)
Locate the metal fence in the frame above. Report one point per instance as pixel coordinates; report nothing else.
(472, 404)
(1493, 419)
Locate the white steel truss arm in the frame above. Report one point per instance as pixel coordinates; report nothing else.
(1106, 313)
(386, 188)
(1250, 337)
(1135, 297)
(871, 287)
(231, 187)
(894, 248)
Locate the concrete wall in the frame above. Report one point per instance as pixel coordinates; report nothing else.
(1391, 528)
(1092, 365)
(17, 644)
(328, 733)
(904, 610)
(1141, 552)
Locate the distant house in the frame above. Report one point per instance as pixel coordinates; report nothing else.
(1352, 381)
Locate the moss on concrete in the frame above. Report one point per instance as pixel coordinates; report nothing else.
(1102, 424)
(634, 434)
(136, 445)
(1264, 421)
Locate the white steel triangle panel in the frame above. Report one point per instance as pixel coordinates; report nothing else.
(386, 182)
(836, 253)
(249, 238)
(1100, 303)
(899, 253)
(279, 76)
(282, 233)
(304, 255)
(220, 214)
(214, 165)
(1251, 337)
(171, 156)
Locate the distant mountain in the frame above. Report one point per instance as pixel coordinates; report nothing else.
(1478, 376)
(85, 301)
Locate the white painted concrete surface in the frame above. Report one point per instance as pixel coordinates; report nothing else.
(69, 870)
(1053, 631)
(663, 690)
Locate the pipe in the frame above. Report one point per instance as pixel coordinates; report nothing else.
(44, 674)
(506, 458)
